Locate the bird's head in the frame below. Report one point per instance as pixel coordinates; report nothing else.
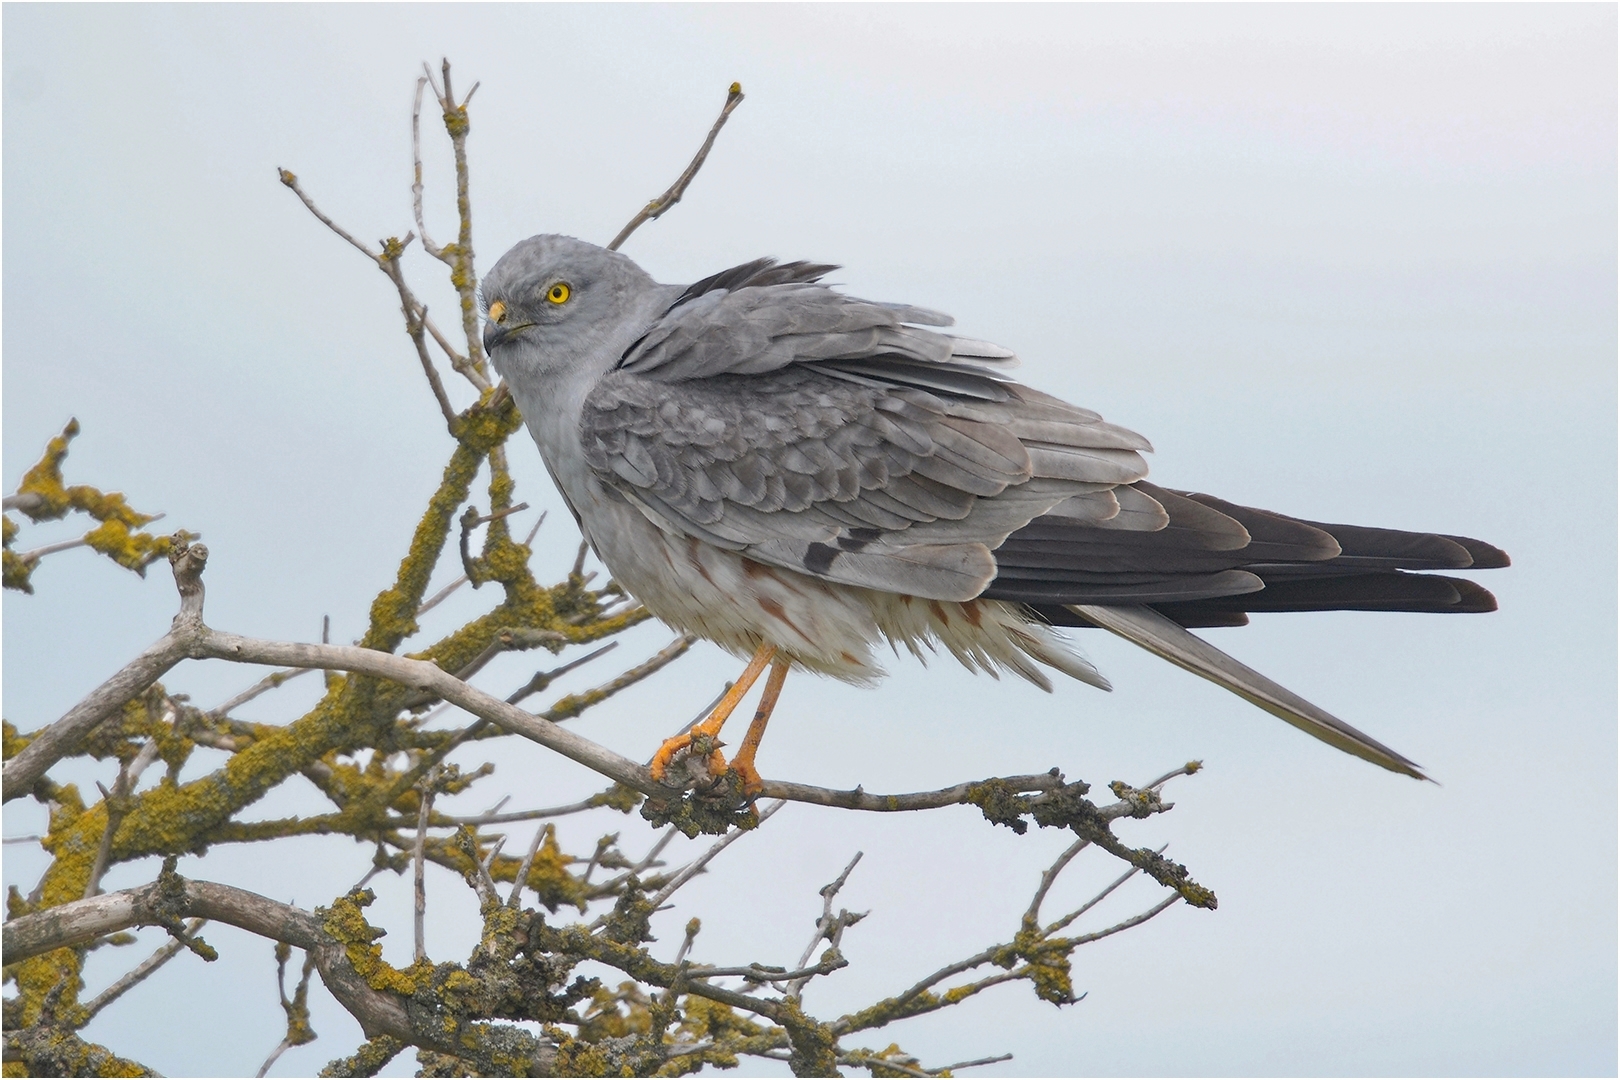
(553, 302)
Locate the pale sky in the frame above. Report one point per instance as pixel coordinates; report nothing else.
(1354, 263)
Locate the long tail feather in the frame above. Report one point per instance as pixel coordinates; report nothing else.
(1161, 636)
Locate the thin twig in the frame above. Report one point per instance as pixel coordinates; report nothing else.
(975, 1063)
(1185, 770)
(483, 882)
(543, 679)
(416, 175)
(417, 860)
(409, 305)
(281, 1048)
(646, 863)
(522, 877)
(459, 255)
(439, 597)
(1033, 914)
(603, 845)
(291, 181)
(263, 686)
(1095, 900)
(138, 974)
(760, 974)
(460, 363)
(1126, 924)
(825, 924)
(525, 815)
(874, 1063)
(694, 868)
(656, 208)
(692, 928)
(571, 705)
(51, 549)
(116, 802)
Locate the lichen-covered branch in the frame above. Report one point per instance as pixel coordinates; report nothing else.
(382, 771)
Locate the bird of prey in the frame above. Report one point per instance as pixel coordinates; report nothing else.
(796, 475)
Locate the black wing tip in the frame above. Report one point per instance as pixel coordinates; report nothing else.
(766, 271)
(1486, 556)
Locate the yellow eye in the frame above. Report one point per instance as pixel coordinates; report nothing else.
(497, 312)
(558, 293)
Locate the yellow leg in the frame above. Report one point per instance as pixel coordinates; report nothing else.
(716, 720)
(743, 763)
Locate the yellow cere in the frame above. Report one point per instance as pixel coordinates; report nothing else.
(497, 312)
(558, 293)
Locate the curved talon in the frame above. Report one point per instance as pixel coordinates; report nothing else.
(666, 753)
(752, 783)
(710, 727)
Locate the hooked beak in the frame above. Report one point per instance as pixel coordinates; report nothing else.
(495, 335)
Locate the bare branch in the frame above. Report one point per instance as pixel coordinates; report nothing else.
(416, 176)
(761, 974)
(51, 549)
(443, 594)
(281, 1048)
(975, 1063)
(572, 705)
(117, 804)
(826, 926)
(521, 878)
(858, 799)
(270, 682)
(1033, 914)
(459, 362)
(409, 305)
(695, 867)
(24, 501)
(139, 973)
(426, 789)
(543, 679)
(50, 745)
(1134, 920)
(1094, 901)
(1185, 770)
(656, 208)
(292, 181)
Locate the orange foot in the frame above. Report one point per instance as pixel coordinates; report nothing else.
(709, 729)
(660, 763)
(752, 783)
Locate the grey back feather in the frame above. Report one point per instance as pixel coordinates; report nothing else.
(839, 438)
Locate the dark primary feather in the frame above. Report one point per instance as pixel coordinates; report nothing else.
(1288, 565)
(757, 272)
(766, 413)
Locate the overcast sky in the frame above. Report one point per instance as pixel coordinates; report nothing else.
(1355, 263)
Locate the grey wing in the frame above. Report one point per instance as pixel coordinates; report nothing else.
(825, 435)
